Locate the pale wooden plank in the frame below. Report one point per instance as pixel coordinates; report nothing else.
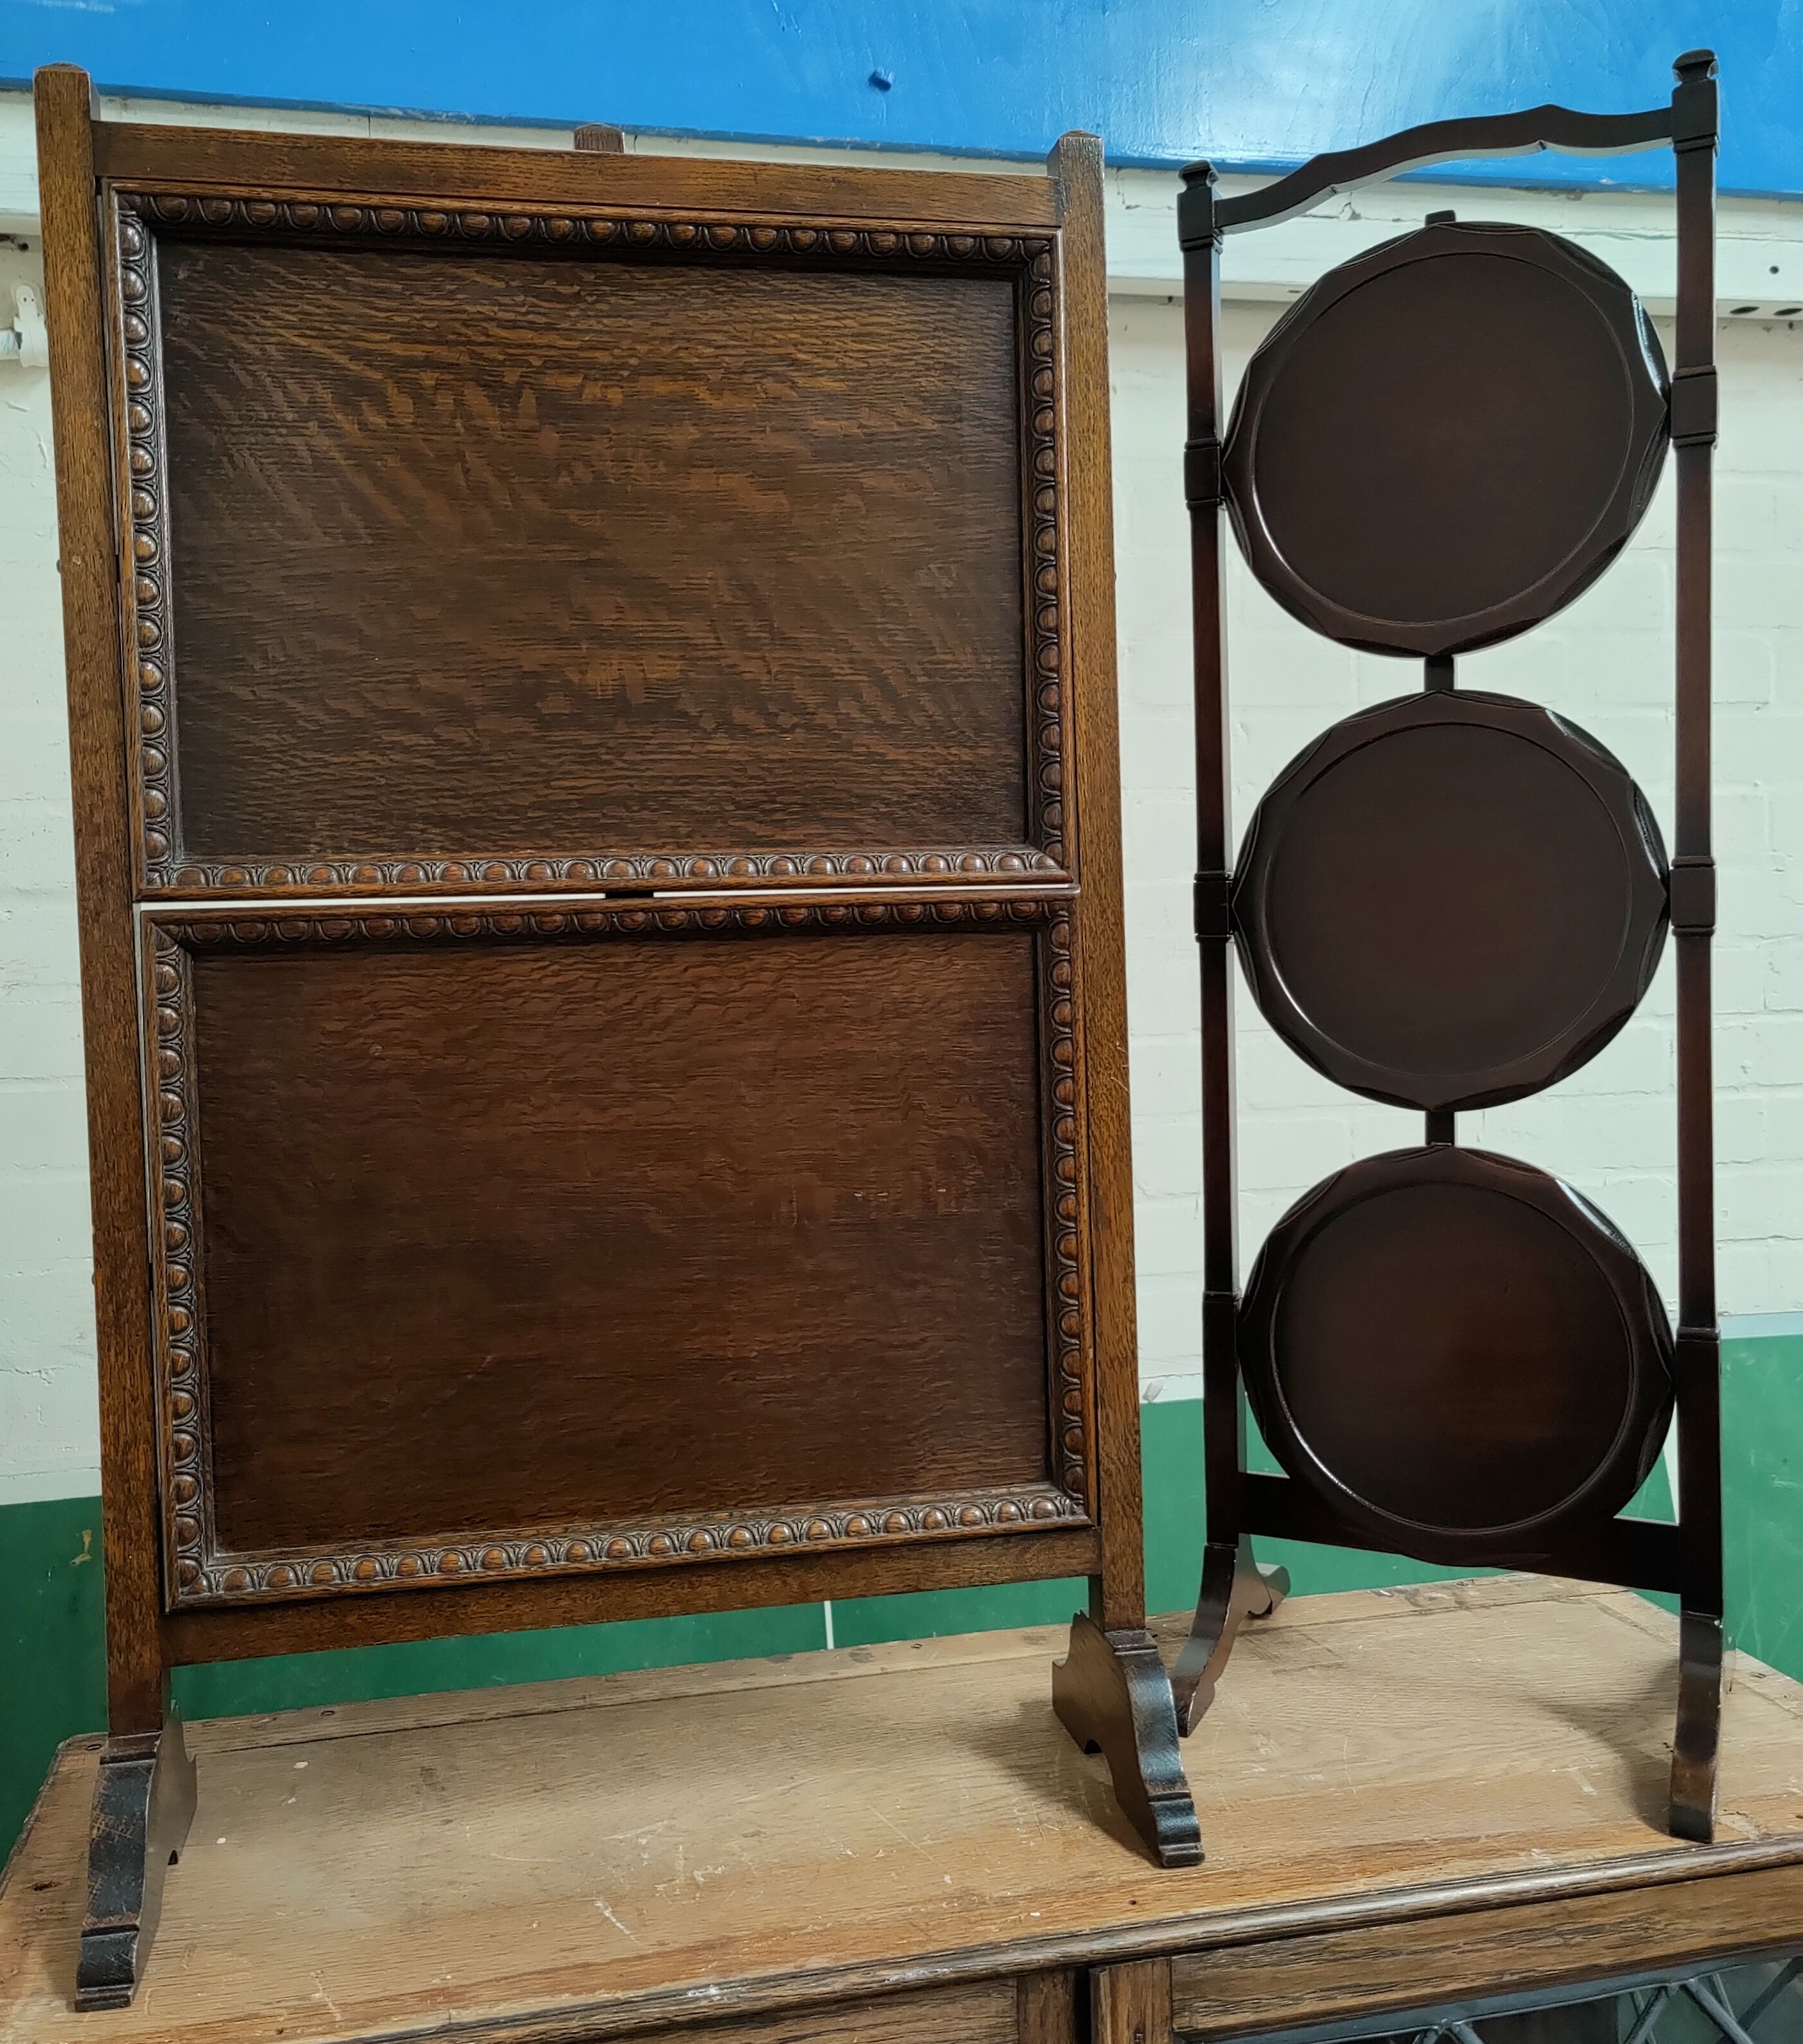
(732, 1841)
(607, 1691)
(648, 1685)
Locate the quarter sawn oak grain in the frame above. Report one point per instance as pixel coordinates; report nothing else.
(518, 554)
(531, 1235)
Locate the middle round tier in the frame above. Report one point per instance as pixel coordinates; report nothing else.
(1450, 900)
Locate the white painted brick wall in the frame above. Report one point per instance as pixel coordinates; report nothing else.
(48, 1410)
(1606, 663)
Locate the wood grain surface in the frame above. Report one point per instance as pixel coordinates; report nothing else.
(599, 1859)
(1095, 797)
(507, 554)
(89, 566)
(520, 1236)
(992, 2012)
(1131, 2004)
(471, 1605)
(1526, 1948)
(127, 153)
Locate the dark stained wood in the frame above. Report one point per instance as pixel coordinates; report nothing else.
(486, 1230)
(1342, 1976)
(1450, 900)
(1076, 165)
(1224, 1432)
(1696, 1746)
(1524, 133)
(258, 163)
(1234, 1589)
(1113, 1696)
(612, 556)
(1695, 120)
(599, 138)
(98, 751)
(1459, 1353)
(1446, 440)
(1644, 1553)
(143, 1803)
(1442, 442)
(197, 1568)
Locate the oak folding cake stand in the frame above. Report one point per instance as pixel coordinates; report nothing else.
(1456, 898)
(592, 695)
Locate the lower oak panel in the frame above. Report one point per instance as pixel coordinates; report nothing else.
(485, 1253)
(532, 1235)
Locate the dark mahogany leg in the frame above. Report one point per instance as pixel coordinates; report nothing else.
(1113, 1696)
(144, 1802)
(1699, 1727)
(1233, 1587)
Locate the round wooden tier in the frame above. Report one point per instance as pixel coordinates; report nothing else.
(1450, 900)
(1458, 1351)
(1445, 440)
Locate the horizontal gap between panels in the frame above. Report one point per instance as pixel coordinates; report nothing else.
(174, 907)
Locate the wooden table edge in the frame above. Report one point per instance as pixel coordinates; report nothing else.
(1189, 1935)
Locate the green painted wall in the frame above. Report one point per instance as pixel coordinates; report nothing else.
(51, 1655)
(53, 1643)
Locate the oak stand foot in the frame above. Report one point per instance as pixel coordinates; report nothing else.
(1233, 1587)
(1113, 1696)
(1694, 1745)
(144, 1802)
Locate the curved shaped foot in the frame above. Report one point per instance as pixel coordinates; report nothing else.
(1113, 1696)
(1234, 1588)
(1698, 1736)
(144, 1802)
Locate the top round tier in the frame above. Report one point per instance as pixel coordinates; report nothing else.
(1448, 439)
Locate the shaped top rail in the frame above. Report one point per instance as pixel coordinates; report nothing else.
(1689, 121)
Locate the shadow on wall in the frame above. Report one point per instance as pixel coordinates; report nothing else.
(52, 1660)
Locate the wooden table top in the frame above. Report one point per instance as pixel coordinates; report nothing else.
(591, 1858)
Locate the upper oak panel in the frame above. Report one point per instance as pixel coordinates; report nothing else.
(616, 544)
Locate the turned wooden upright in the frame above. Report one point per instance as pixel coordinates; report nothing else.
(592, 700)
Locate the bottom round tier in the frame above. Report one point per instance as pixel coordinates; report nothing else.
(1459, 1352)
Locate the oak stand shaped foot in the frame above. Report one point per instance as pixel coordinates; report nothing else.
(1113, 1696)
(1233, 1587)
(144, 1802)
(1694, 1745)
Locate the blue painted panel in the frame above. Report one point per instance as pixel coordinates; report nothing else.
(1253, 83)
